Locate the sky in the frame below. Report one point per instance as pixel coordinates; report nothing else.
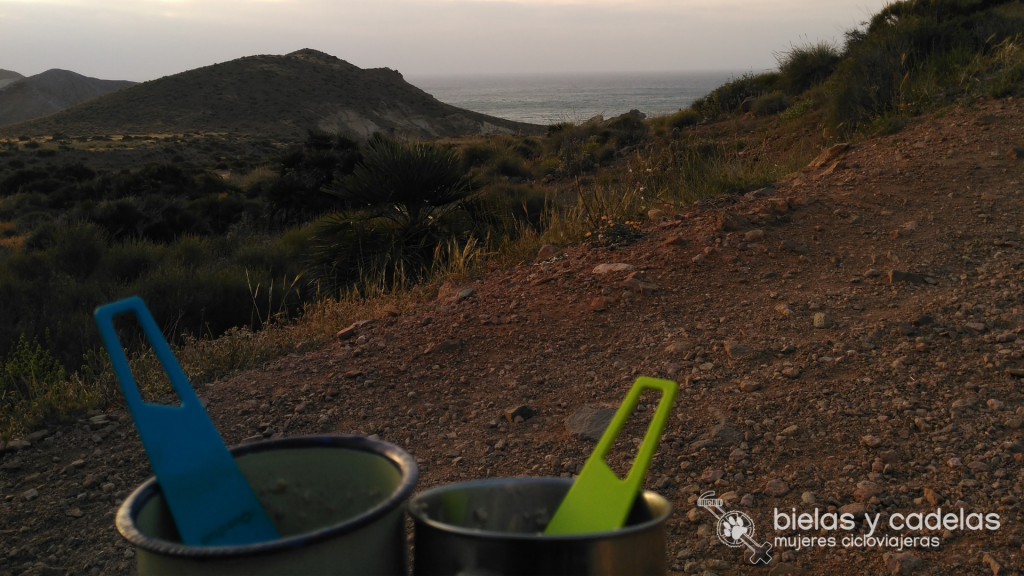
(146, 39)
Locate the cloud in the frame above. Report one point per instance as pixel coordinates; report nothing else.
(144, 39)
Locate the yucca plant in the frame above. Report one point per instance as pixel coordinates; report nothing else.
(405, 200)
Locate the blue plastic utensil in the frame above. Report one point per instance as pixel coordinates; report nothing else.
(209, 498)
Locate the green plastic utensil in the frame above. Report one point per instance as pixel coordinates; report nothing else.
(599, 500)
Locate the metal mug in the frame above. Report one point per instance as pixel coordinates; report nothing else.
(494, 527)
(335, 500)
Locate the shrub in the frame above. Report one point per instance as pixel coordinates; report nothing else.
(26, 371)
(126, 261)
(76, 248)
(729, 96)
(476, 155)
(770, 104)
(804, 67)
(628, 129)
(406, 199)
(684, 119)
(910, 51)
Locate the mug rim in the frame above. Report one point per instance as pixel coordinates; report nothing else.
(406, 465)
(476, 533)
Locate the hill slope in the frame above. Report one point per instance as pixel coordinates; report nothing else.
(279, 96)
(909, 396)
(8, 76)
(23, 98)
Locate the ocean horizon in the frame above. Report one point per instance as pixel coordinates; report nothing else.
(549, 98)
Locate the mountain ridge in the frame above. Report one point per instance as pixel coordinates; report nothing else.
(26, 98)
(282, 96)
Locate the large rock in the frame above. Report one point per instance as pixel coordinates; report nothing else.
(590, 421)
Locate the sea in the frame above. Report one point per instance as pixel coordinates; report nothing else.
(549, 98)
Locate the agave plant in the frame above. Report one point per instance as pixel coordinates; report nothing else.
(404, 201)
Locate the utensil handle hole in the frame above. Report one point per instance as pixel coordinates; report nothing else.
(623, 453)
(150, 377)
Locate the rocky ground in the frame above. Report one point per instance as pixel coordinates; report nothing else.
(849, 341)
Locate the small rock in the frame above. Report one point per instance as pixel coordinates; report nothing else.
(30, 494)
(753, 235)
(443, 346)
(856, 509)
(808, 498)
(866, 490)
(548, 251)
(737, 351)
(737, 455)
(994, 565)
(828, 155)
(524, 412)
(655, 215)
(463, 294)
(889, 456)
(872, 273)
(18, 444)
(601, 303)
(978, 466)
(783, 310)
(747, 501)
(729, 222)
(822, 320)
(74, 513)
(710, 476)
(996, 405)
(901, 564)
(639, 286)
(794, 247)
(40, 434)
(871, 441)
(1013, 447)
(590, 421)
(791, 372)
(677, 240)
(933, 497)
(898, 276)
(976, 326)
(606, 268)
(679, 347)
(749, 386)
(776, 487)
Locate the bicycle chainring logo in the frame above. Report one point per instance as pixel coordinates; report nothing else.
(735, 529)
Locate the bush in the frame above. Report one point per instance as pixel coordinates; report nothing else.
(476, 155)
(804, 67)
(770, 104)
(728, 97)
(26, 371)
(406, 199)
(77, 248)
(910, 51)
(684, 119)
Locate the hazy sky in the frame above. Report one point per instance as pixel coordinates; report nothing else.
(145, 39)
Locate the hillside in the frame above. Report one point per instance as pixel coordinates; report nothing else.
(48, 92)
(849, 339)
(8, 76)
(282, 96)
